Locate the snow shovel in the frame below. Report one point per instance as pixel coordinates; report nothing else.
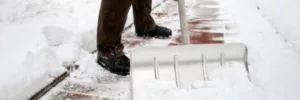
(182, 64)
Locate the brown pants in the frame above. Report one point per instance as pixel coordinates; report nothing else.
(112, 18)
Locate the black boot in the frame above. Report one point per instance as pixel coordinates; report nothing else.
(117, 65)
(157, 32)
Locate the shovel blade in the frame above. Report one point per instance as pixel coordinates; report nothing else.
(182, 64)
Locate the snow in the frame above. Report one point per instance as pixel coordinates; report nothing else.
(56, 36)
(227, 83)
(23, 41)
(26, 27)
(37, 71)
(86, 40)
(39, 37)
(94, 79)
(274, 62)
(285, 21)
(69, 53)
(13, 46)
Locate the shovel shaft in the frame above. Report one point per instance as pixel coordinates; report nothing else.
(183, 22)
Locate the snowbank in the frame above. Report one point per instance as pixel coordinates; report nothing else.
(274, 64)
(284, 16)
(28, 63)
(28, 26)
(37, 70)
(56, 36)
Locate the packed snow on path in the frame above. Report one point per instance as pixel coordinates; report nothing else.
(32, 55)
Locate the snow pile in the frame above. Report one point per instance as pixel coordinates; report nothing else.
(56, 36)
(46, 59)
(91, 80)
(37, 71)
(69, 47)
(41, 63)
(87, 40)
(47, 63)
(69, 53)
(37, 40)
(33, 25)
(227, 83)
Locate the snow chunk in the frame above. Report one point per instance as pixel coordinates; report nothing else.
(44, 62)
(69, 53)
(47, 59)
(56, 36)
(37, 71)
(1, 20)
(87, 40)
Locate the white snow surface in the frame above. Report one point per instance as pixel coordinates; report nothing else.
(56, 36)
(274, 62)
(28, 62)
(227, 83)
(284, 21)
(29, 26)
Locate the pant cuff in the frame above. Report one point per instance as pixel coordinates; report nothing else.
(110, 51)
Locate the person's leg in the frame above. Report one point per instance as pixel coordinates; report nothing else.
(112, 18)
(144, 23)
(143, 20)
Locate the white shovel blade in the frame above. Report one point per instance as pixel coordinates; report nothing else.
(189, 61)
(187, 53)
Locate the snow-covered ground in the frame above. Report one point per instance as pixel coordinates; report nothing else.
(39, 37)
(275, 63)
(285, 19)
